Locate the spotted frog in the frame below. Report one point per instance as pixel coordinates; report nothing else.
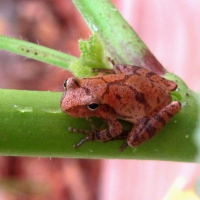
(130, 93)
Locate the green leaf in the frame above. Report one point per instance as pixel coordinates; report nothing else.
(92, 56)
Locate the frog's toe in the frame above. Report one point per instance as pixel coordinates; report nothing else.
(123, 147)
(81, 142)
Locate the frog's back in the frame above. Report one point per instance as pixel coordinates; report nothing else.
(134, 96)
(136, 70)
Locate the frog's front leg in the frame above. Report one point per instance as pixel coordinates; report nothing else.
(114, 129)
(148, 127)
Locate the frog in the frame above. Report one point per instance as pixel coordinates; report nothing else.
(125, 92)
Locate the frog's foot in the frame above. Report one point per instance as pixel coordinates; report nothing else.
(123, 147)
(89, 135)
(92, 134)
(122, 136)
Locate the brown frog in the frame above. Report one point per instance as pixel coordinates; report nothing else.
(130, 93)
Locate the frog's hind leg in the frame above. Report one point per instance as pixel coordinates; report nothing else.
(148, 127)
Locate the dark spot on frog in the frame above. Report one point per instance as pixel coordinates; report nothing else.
(160, 119)
(118, 97)
(87, 91)
(150, 130)
(139, 96)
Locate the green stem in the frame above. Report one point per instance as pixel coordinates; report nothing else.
(119, 39)
(32, 124)
(36, 52)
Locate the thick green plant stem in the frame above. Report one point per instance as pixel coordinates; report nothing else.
(32, 124)
(120, 41)
(36, 52)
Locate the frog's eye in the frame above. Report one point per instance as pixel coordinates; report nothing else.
(70, 83)
(93, 106)
(65, 84)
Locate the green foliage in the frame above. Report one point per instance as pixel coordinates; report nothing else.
(92, 56)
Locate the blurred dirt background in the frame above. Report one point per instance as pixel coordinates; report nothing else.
(167, 29)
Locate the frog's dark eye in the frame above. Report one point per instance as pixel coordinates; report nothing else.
(71, 83)
(93, 106)
(65, 84)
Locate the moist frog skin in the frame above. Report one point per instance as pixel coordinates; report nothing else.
(130, 93)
